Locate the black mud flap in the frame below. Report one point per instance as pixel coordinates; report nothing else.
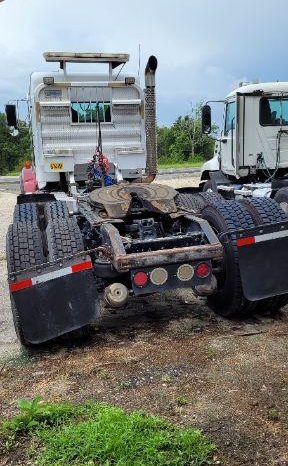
(263, 260)
(54, 307)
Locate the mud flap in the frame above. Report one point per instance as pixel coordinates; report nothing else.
(263, 260)
(56, 306)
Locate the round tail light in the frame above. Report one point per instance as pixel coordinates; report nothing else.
(203, 270)
(140, 279)
(159, 276)
(185, 272)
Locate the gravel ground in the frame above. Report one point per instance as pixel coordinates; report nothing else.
(8, 193)
(8, 342)
(169, 355)
(180, 180)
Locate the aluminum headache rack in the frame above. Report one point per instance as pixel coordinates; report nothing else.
(113, 59)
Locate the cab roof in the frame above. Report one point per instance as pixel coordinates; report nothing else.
(266, 88)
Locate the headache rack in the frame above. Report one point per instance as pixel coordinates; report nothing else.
(112, 59)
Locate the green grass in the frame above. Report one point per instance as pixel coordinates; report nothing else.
(14, 173)
(98, 435)
(183, 164)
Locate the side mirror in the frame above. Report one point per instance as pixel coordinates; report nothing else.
(11, 115)
(206, 119)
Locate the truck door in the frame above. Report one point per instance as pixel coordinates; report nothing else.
(228, 140)
(273, 119)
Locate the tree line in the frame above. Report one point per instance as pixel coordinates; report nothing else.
(14, 150)
(184, 141)
(181, 142)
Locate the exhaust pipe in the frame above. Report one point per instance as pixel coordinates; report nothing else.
(150, 120)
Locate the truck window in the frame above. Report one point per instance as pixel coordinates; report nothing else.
(230, 117)
(90, 112)
(273, 111)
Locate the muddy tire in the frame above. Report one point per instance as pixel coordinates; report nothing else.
(211, 197)
(26, 212)
(281, 197)
(264, 210)
(55, 210)
(190, 202)
(225, 216)
(196, 202)
(24, 249)
(63, 238)
(17, 324)
(267, 211)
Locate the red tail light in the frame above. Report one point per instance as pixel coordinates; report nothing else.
(203, 270)
(140, 279)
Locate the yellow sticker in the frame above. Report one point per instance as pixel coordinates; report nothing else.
(56, 165)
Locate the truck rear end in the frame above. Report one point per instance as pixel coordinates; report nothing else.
(87, 235)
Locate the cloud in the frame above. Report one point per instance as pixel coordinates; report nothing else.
(203, 47)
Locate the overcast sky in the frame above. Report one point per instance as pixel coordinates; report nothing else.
(204, 47)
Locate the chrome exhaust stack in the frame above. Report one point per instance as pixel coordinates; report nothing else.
(150, 120)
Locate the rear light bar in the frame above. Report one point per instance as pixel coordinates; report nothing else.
(160, 275)
(27, 283)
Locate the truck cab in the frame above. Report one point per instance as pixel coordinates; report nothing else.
(66, 109)
(253, 144)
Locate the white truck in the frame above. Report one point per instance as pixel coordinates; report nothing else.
(251, 156)
(90, 224)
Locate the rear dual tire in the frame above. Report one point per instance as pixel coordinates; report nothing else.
(195, 202)
(266, 211)
(64, 239)
(225, 217)
(24, 249)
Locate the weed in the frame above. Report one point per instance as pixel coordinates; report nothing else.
(211, 353)
(166, 378)
(34, 414)
(273, 414)
(104, 375)
(93, 434)
(182, 401)
(125, 385)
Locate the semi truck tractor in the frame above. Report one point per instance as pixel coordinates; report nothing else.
(91, 226)
(251, 155)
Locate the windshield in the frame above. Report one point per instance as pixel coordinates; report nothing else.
(273, 111)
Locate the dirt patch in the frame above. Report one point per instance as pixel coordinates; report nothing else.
(173, 357)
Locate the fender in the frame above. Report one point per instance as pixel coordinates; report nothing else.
(211, 165)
